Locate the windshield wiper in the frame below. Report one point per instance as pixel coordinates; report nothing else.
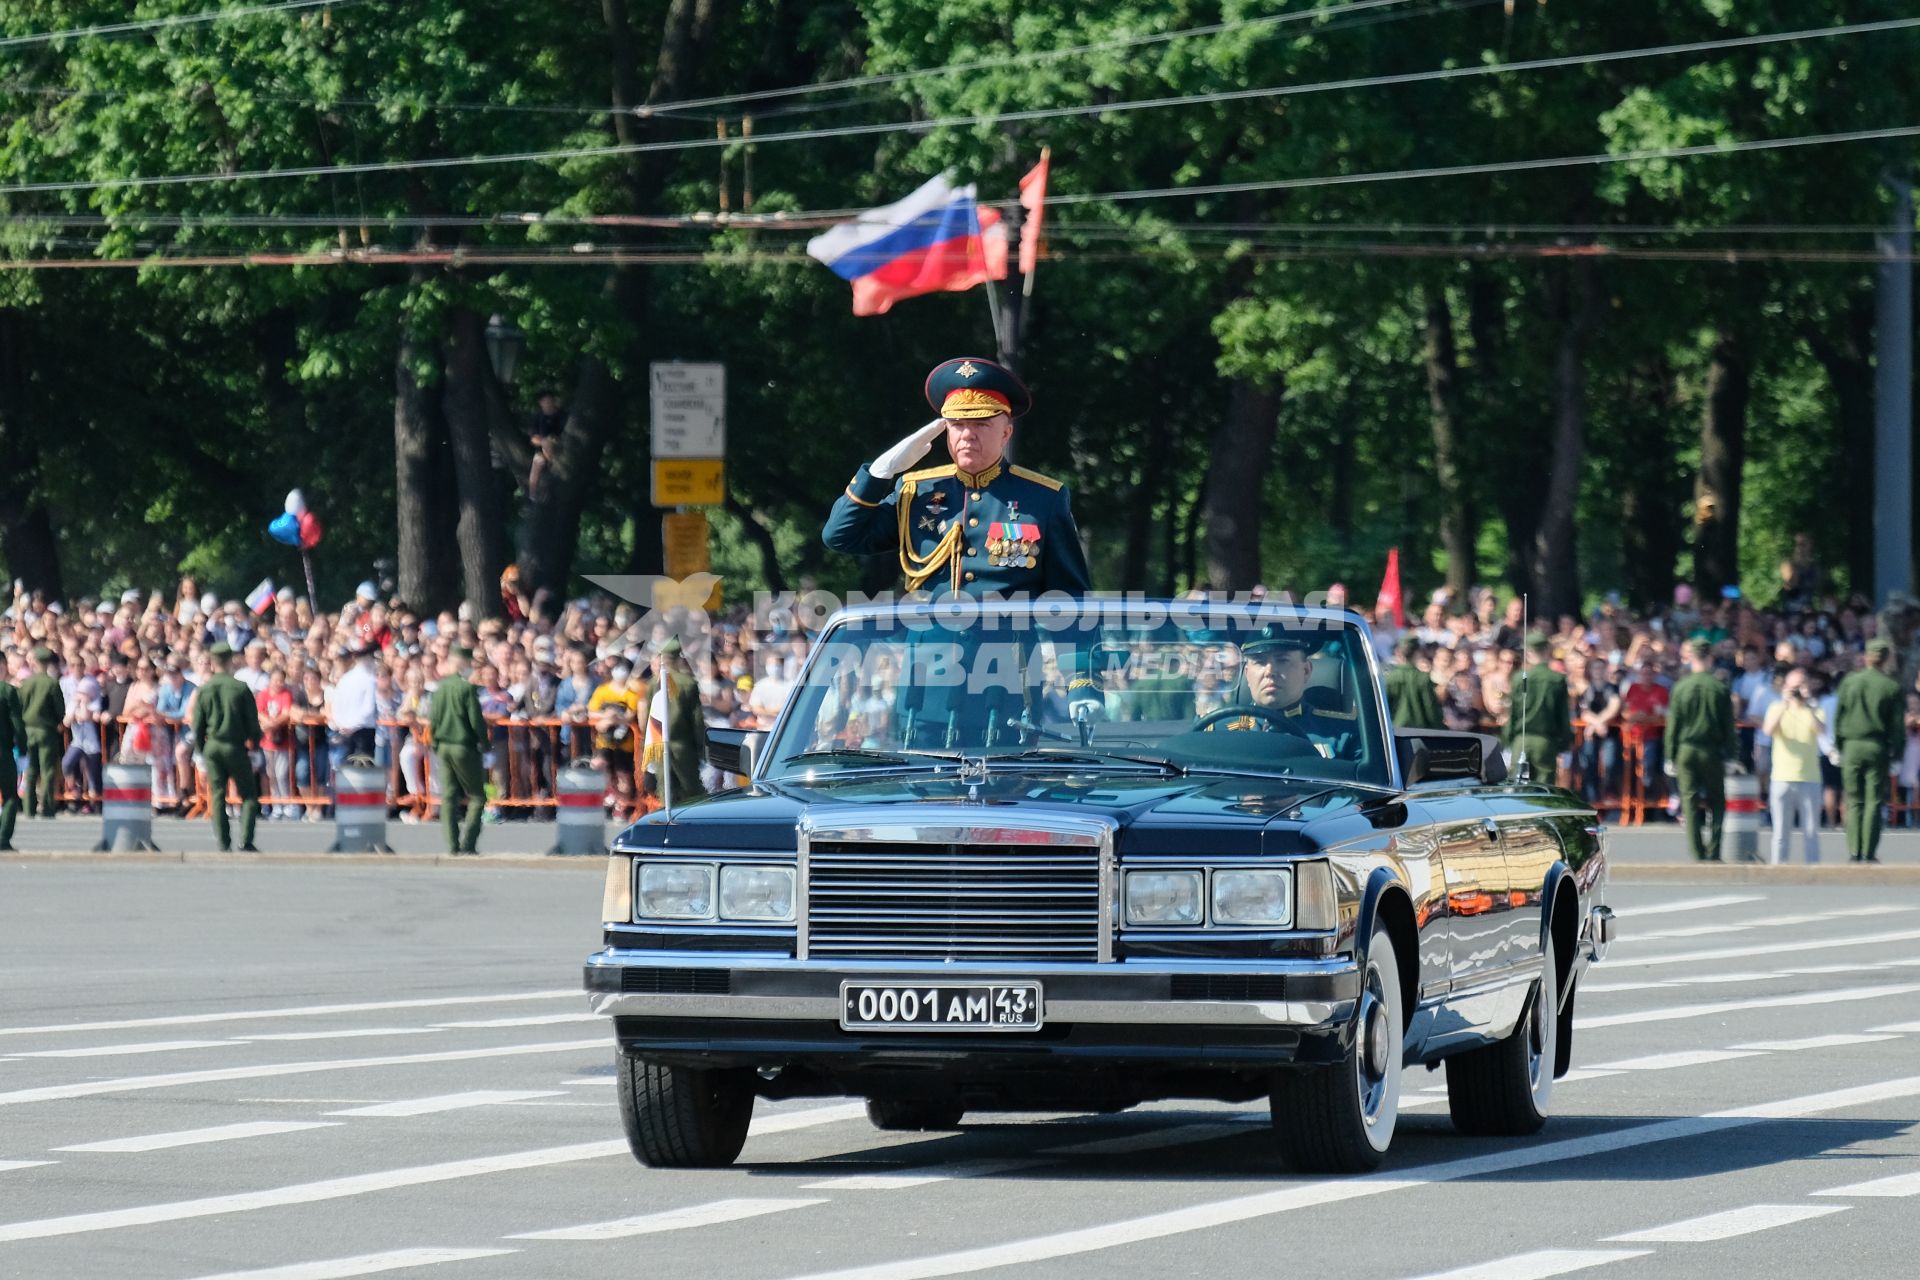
(868, 753)
(1094, 756)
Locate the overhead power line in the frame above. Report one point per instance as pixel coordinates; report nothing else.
(997, 117)
(174, 20)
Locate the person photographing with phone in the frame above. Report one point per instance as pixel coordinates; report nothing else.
(1795, 726)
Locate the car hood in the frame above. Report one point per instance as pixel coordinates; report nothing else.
(1208, 815)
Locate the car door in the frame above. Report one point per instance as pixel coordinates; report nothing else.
(1474, 869)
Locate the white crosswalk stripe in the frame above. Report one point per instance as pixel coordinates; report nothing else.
(699, 1215)
(1900, 1184)
(448, 1102)
(197, 1137)
(1539, 1265)
(366, 1264)
(1728, 1224)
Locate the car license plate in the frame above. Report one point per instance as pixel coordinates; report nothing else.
(940, 1006)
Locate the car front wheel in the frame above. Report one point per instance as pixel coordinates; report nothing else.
(1505, 1089)
(684, 1117)
(1340, 1119)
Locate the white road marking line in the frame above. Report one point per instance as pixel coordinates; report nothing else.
(8, 1165)
(545, 1020)
(1900, 1184)
(1153, 1139)
(925, 1177)
(1586, 1073)
(1691, 904)
(699, 1215)
(1816, 970)
(299, 1011)
(592, 1080)
(1899, 1028)
(1218, 1213)
(130, 1084)
(1612, 988)
(448, 1102)
(117, 1050)
(194, 1137)
(1813, 1042)
(1717, 979)
(1731, 1223)
(1691, 931)
(351, 1033)
(1881, 910)
(1539, 1266)
(1669, 1061)
(366, 1264)
(1674, 1013)
(1630, 961)
(366, 1183)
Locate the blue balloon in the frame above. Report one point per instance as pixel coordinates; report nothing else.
(286, 529)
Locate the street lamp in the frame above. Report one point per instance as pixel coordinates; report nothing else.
(504, 344)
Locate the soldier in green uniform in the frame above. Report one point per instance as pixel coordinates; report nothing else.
(1699, 744)
(1410, 696)
(226, 725)
(13, 737)
(675, 705)
(1869, 728)
(459, 734)
(1539, 714)
(43, 708)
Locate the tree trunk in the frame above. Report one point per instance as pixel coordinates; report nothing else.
(1236, 478)
(1723, 456)
(479, 526)
(1847, 358)
(1553, 568)
(1459, 530)
(1652, 495)
(424, 560)
(762, 534)
(26, 527)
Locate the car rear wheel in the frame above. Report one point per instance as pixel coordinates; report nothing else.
(1506, 1089)
(911, 1114)
(684, 1117)
(1341, 1119)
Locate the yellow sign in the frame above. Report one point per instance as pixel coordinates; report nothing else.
(689, 482)
(684, 534)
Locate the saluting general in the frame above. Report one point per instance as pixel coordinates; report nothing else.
(978, 524)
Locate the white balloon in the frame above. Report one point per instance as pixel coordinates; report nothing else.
(296, 504)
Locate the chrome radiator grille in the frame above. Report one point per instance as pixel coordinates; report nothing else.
(935, 902)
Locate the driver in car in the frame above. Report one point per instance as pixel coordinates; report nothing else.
(1277, 694)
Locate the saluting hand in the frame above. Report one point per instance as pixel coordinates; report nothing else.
(908, 451)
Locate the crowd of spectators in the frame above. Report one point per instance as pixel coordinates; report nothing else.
(1620, 665)
(356, 681)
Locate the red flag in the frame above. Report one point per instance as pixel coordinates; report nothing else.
(1033, 198)
(1390, 590)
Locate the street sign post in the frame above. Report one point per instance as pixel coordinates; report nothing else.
(689, 410)
(689, 482)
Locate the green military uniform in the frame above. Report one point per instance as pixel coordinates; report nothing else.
(1411, 700)
(1700, 741)
(1539, 723)
(226, 725)
(1869, 725)
(686, 732)
(43, 710)
(459, 737)
(13, 736)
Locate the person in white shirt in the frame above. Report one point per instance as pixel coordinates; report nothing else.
(356, 705)
(1795, 726)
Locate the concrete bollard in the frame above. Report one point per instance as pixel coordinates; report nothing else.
(359, 809)
(579, 813)
(1741, 833)
(126, 809)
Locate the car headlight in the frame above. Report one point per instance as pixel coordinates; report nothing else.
(1253, 897)
(1165, 897)
(756, 893)
(675, 891)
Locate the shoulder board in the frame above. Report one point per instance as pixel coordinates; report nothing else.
(1328, 713)
(1035, 476)
(931, 473)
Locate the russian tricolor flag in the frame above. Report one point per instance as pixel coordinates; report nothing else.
(936, 240)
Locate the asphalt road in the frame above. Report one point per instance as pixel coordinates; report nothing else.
(309, 1072)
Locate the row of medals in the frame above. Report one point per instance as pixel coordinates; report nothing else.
(1012, 553)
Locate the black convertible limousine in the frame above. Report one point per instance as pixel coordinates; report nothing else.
(953, 881)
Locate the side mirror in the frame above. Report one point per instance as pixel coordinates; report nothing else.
(735, 750)
(1416, 762)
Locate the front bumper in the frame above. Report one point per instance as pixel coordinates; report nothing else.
(1305, 997)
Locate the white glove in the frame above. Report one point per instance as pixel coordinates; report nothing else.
(908, 451)
(1669, 770)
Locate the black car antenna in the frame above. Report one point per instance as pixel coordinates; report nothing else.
(1524, 768)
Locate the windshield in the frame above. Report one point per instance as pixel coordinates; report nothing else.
(1186, 686)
